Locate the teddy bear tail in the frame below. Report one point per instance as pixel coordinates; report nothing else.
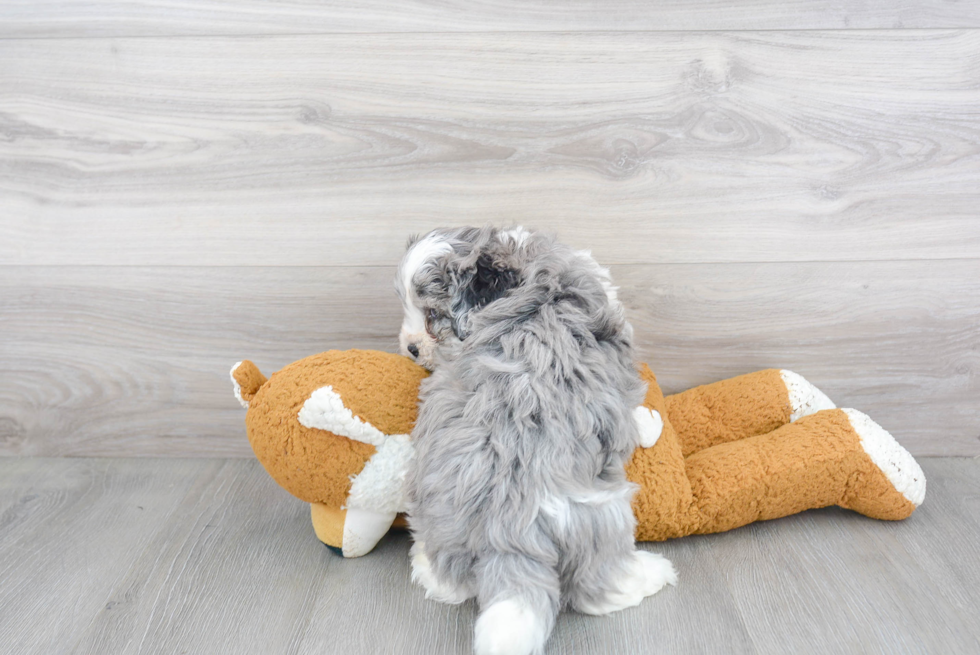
(247, 380)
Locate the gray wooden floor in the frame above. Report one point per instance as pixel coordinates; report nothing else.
(210, 556)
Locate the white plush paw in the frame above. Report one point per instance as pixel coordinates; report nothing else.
(363, 529)
(650, 424)
(509, 627)
(895, 462)
(804, 398)
(646, 574)
(435, 589)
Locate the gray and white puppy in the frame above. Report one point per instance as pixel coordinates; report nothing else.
(517, 494)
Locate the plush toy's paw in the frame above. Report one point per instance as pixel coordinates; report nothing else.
(435, 589)
(804, 398)
(509, 627)
(650, 424)
(898, 465)
(350, 532)
(646, 574)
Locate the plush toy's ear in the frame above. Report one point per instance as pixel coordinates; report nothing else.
(247, 380)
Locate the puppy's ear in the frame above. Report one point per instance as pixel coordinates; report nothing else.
(490, 279)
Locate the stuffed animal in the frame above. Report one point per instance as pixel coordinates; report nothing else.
(333, 430)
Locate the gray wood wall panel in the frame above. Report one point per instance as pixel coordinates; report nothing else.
(650, 147)
(47, 18)
(133, 361)
(210, 556)
(789, 196)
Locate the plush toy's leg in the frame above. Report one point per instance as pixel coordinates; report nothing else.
(328, 524)
(349, 532)
(833, 457)
(741, 407)
(663, 505)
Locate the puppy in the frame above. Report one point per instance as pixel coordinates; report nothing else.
(517, 494)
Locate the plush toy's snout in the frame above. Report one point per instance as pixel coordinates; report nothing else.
(332, 429)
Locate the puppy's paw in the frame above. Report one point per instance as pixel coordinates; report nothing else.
(435, 589)
(645, 574)
(509, 627)
(656, 571)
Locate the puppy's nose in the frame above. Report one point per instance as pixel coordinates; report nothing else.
(412, 348)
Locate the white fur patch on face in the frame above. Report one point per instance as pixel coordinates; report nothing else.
(413, 324)
(804, 398)
(423, 252)
(895, 462)
(509, 627)
(238, 387)
(651, 425)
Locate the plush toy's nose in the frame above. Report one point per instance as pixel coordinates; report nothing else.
(414, 349)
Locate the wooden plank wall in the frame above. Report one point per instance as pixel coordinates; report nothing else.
(793, 185)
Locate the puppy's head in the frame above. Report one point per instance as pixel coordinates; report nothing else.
(447, 275)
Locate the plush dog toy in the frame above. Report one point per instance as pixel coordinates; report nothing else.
(333, 430)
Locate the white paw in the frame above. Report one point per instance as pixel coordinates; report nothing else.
(646, 574)
(509, 627)
(651, 425)
(657, 572)
(895, 462)
(435, 589)
(804, 398)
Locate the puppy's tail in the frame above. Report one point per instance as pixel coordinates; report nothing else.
(519, 597)
(247, 380)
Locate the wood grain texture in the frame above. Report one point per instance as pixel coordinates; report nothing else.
(47, 18)
(863, 585)
(69, 530)
(225, 574)
(120, 361)
(149, 556)
(137, 363)
(897, 340)
(647, 147)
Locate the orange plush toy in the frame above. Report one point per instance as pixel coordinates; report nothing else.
(333, 430)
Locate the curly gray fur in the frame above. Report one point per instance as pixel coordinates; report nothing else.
(518, 487)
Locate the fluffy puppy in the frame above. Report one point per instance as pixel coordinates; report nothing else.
(518, 495)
